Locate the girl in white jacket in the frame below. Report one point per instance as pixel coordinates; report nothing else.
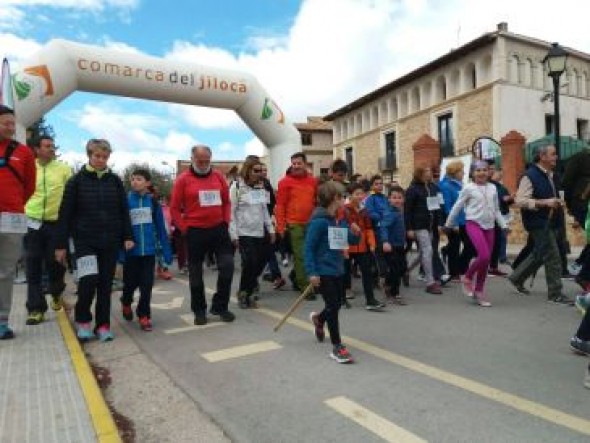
(480, 201)
(250, 222)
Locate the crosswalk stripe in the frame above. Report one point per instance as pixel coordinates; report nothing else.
(192, 328)
(378, 425)
(240, 351)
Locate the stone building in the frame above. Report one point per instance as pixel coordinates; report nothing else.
(316, 139)
(490, 86)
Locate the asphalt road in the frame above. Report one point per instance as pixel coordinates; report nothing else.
(438, 370)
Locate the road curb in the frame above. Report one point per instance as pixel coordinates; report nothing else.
(102, 420)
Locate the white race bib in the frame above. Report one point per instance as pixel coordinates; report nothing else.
(267, 197)
(87, 265)
(140, 216)
(210, 198)
(34, 224)
(441, 199)
(13, 223)
(433, 203)
(338, 238)
(256, 196)
(561, 195)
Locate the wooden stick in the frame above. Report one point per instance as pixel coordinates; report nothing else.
(294, 306)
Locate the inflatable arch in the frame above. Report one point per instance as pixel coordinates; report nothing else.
(62, 67)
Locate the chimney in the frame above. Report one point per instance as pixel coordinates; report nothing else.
(502, 27)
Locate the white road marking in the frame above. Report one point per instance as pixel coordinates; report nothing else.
(240, 351)
(378, 425)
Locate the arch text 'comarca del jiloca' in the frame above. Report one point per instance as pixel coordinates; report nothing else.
(62, 67)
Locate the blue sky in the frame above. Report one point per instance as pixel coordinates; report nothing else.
(313, 56)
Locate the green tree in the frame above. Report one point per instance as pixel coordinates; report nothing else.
(160, 180)
(38, 129)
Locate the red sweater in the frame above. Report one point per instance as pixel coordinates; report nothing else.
(187, 208)
(15, 194)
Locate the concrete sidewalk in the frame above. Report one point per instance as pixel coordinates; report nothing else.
(42, 398)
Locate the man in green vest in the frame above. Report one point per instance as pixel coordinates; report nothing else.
(42, 211)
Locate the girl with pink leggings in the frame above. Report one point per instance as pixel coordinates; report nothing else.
(480, 201)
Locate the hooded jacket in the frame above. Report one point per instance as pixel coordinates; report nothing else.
(393, 228)
(319, 258)
(15, 193)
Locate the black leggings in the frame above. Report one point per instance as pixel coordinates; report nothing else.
(332, 289)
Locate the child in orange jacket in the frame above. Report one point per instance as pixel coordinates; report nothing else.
(362, 252)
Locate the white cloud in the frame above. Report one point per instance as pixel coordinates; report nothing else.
(338, 50)
(254, 147)
(17, 49)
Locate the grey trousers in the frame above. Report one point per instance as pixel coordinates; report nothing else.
(10, 251)
(546, 251)
(424, 240)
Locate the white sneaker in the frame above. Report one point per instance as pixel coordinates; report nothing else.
(285, 262)
(574, 268)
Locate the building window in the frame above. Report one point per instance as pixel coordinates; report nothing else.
(582, 129)
(548, 124)
(324, 171)
(349, 161)
(306, 138)
(390, 152)
(445, 135)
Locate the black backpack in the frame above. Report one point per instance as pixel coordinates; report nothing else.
(5, 161)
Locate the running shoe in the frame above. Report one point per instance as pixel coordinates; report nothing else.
(35, 318)
(497, 273)
(561, 300)
(104, 333)
(127, 312)
(145, 323)
(84, 331)
(341, 354)
(481, 299)
(279, 283)
(434, 288)
(374, 305)
(5, 332)
(320, 334)
(579, 346)
(581, 302)
(519, 288)
(57, 302)
(467, 286)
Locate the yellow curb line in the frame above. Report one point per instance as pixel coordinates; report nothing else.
(104, 425)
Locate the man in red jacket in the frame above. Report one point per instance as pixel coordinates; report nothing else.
(17, 181)
(201, 209)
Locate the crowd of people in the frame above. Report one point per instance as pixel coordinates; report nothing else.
(335, 230)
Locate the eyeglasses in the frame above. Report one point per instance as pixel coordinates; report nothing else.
(258, 171)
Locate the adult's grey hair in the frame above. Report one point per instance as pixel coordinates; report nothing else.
(540, 150)
(205, 147)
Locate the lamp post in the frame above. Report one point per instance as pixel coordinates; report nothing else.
(555, 61)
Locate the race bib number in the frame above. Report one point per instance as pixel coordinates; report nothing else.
(140, 216)
(338, 238)
(256, 196)
(433, 203)
(33, 224)
(210, 198)
(87, 265)
(13, 223)
(441, 199)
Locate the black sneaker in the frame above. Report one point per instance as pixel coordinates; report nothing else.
(520, 288)
(374, 305)
(226, 316)
(243, 300)
(561, 300)
(200, 318)
(580, 347)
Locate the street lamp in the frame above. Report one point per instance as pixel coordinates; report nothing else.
(555, 62)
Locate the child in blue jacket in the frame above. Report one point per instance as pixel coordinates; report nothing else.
(325, 241)
(393, 237)
(149, 233)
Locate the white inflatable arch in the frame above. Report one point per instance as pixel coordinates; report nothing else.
(62, 67)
